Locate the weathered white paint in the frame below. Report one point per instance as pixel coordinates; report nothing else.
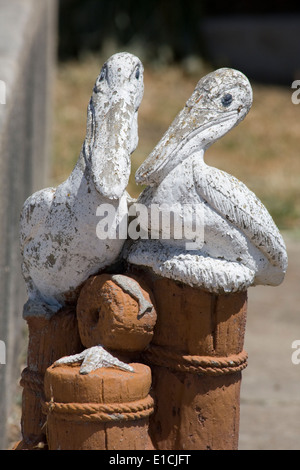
(92, 359)
(242, 246)
(59, 244)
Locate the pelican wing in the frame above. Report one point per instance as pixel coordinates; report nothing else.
(34, 214)
(240, 206)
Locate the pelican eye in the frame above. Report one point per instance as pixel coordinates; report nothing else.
(137, 73)
(226, 100)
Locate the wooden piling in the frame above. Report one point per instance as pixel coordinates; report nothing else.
(49, 339)
(107, 409)
(196, 357)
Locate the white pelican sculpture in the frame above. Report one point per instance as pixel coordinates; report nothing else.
(241, 246)
(59, 244)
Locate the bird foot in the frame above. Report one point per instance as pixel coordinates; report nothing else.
(131, 287)
(92, 359)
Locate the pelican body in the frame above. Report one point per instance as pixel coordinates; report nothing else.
(241, 245)
(59, 245)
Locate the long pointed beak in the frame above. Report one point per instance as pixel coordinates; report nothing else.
(185, 136)
(110, 147)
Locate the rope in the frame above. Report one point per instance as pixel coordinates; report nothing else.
(32, 380)
(206, 365)
(100, 411)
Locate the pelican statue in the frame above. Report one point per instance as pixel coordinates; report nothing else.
(240, 244)
(59, 245)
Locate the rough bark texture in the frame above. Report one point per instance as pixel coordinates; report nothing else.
(49, 339)
(196, 410)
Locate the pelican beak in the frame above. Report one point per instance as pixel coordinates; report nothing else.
(113, 139)
(187, 134)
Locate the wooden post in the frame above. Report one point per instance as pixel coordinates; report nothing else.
(49, 339)
(196, 358)
(195, 350)
(107, 409)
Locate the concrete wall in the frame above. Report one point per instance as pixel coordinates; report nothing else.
(27, 52)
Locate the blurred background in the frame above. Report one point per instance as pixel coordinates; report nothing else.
(179, 42)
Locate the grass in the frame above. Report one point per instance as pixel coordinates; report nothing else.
(263, 151)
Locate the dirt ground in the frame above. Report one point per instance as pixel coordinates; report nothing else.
(270, 399)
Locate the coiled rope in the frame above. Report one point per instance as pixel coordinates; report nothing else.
(205, 365)
(101, 411)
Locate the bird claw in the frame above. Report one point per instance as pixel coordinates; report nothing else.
(133, 289)
(92, 359)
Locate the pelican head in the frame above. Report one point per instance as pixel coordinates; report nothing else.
(111, 134)
(219, 102)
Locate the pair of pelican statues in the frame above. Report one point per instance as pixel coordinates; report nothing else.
(241, 245)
